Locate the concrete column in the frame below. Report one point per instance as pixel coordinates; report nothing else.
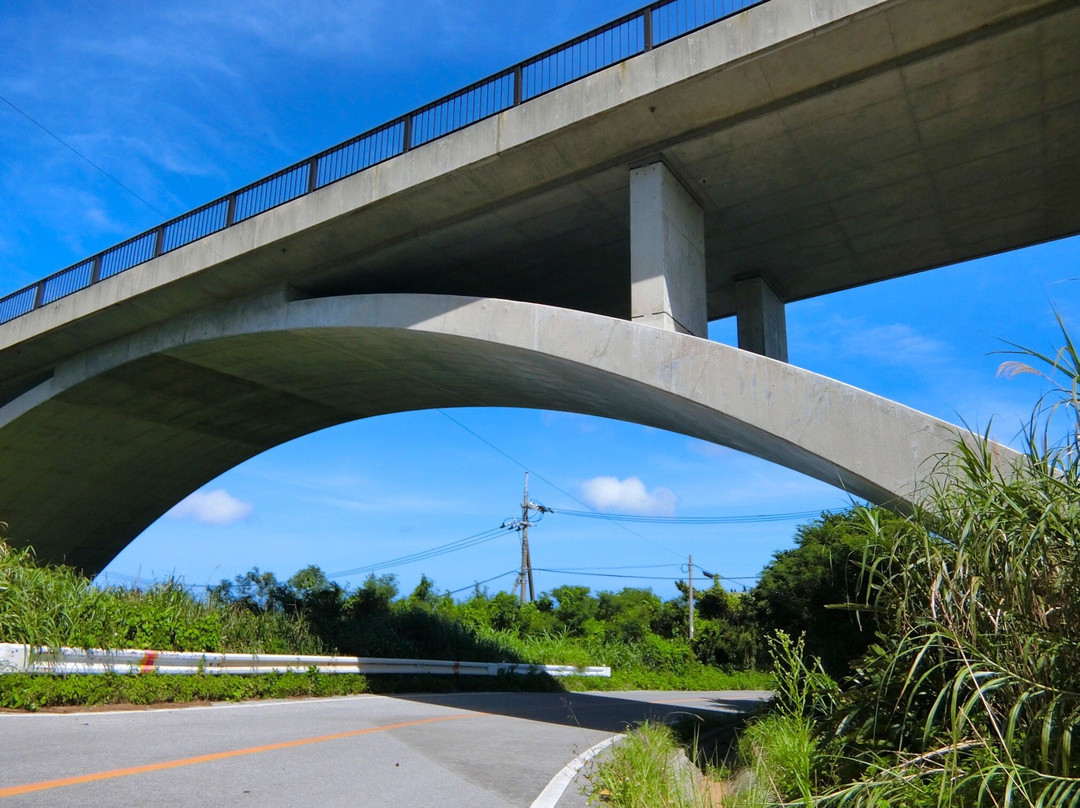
(761, 320)
(667, 253)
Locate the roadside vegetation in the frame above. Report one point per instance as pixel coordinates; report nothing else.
(641, 637)
(969, 694)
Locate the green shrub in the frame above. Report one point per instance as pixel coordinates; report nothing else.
(33, 692)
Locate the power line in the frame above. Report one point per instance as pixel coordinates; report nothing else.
(481, 583)
(565, 493)
(691, 520)
(638, 577)
(628, 567)
(423, 555)
(81, 156)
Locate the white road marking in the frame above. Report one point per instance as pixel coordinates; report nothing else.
(550, 796)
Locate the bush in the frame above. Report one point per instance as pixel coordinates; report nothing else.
(809, 590)
(33, 692)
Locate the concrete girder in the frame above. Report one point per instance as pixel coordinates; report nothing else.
(122, 432)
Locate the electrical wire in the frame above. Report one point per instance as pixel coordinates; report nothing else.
(630, 567)
(636, 577)
(423, 555)
(692, 520)
(81, 156)
(481, 583)
(565, 493)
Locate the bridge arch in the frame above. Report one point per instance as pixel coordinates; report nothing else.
(121, 433)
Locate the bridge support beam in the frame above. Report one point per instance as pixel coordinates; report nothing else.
(762, 323)
(667, 253)
(167, 409)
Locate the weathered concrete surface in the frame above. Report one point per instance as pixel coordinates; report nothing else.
(667, 253)
(122, 432)
(831, 143)
(762, 321)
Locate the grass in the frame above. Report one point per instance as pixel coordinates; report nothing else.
(971, 696)
(705, 678)
(648, 769)
(34, 692)
(652, 664)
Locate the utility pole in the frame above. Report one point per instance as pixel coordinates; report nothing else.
(526, 560)
(523, 525)
(691, 568)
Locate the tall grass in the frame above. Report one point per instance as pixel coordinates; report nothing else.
(648, 769)
(972, 696)
(57, 606)
(40, 606)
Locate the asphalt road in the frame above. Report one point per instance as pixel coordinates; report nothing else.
(480, 750)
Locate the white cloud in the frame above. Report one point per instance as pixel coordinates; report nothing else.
(628, 496)
(211, 508)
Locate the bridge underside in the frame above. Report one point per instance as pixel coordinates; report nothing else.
(120, 434)
(914, 135)
(827, 144)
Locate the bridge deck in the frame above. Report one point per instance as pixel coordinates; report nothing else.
(831, 145)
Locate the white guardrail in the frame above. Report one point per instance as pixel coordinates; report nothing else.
(66, 661)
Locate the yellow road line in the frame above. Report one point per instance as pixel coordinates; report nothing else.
(45, 785)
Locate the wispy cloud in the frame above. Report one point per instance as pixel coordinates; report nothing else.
(895, 344)
(706, 449)
(628, 496)
(217, 507)
(395, 504)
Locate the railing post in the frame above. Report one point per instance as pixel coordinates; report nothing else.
(518, 89)
(39, 295)
(159, 240)
(406, 137)
(95, 269)
(313, 174)
(230, 212)
(647, 26)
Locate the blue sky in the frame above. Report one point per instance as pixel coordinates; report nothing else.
(183, 102)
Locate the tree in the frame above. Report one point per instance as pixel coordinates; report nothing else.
(375, 596)
(804, 590)
(310, 581)
(424, 594)
(726, 633)
(576, 606)
(504, 613)
(630, 613)
(255, 590)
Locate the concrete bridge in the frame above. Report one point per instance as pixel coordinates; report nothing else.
(564, 252)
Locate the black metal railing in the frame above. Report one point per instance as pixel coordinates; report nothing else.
(619, 40)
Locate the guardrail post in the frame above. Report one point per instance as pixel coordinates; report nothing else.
(230, 212)
(647, 25)
(313, 174)
(159, 241)
(518, 89)
(39, 295)
(95, 269)
(406, 136)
